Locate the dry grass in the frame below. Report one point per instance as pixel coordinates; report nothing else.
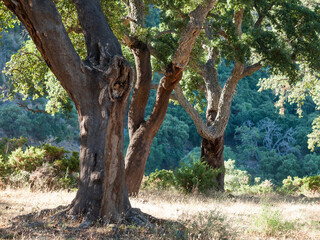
(189, 217)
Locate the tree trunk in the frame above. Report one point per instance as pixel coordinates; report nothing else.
(102, 191)
(212, 149)
(99, 87)
(136, 158)
(141, 139)
(212, 153)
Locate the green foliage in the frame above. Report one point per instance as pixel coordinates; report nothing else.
(8, 145)
(27, 160)
(167, 146)
(16, 122)
(196, 176)
(298, 94)
(273, 166)
(7, 19)
(53, 152)
(160, 180)
(239, 181)
(300, 185)
(195, 153)
(70, 163)
(30, 76)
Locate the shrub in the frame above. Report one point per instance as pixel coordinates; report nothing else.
(311, 183)
(3, 166)
(270, 222)
(53, 152)
(19, 179)
(291, 186)
(27, 160)
(196, 176)
(68, 163)
(44, 178)
(235, 178)
(209, 225)
(160, 179)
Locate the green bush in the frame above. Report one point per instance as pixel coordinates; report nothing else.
(160, 180)
(53, 152)
(27, 160)
(18, 179)
(297, 185)
(68, 163)
(42, 168)
(235, 178)
(311, 183)
(238, 181)
(196, 176)
(290, 186)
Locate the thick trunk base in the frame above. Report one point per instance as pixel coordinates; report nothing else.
(212, 153)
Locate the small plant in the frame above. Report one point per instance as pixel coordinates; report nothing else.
(160, 180)
(19, 179)
(270, 222)
(196, 176)
(290, 186)
(210, 225)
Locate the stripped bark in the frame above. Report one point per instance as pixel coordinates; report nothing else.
(142, 132)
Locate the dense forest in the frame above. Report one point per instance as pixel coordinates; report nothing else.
(262, 141)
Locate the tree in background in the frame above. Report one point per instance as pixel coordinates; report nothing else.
(99, 86)
(251, 35)
(297, 93)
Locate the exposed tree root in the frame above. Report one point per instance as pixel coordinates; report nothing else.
(136, 217)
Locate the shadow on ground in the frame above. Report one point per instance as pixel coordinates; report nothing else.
(45, 225)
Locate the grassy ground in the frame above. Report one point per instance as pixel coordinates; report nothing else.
(222, 216)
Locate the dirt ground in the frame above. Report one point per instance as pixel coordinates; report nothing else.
(177, 216)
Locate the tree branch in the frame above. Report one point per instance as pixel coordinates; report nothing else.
(21, 104)
(137, 14)
(174, 70)
(141, 54)
(203, 130)
(192, 30)
(99, 37)
(238, 16)
(251, 69)
(43, 22)
(261, 16)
